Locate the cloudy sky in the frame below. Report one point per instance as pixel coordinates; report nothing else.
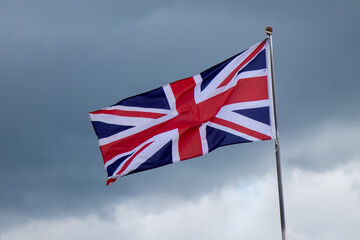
(60, 60)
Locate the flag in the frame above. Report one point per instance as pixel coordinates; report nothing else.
(228, 103)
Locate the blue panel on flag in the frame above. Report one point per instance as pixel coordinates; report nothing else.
(104, 130)
(209, 74)
(217, 138)
(112, 167)
(261, 114)
(259, 62)
(152, 99)
(160, 158)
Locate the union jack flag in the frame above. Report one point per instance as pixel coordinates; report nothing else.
(226, 104)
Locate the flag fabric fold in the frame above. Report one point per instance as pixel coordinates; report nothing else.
(228, 103)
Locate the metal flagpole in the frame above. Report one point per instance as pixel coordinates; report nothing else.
(269, 31)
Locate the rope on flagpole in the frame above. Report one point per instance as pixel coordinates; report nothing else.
(269, 32)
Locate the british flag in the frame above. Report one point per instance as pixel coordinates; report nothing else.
(226, 104)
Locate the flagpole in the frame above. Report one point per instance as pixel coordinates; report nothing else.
(269, 31)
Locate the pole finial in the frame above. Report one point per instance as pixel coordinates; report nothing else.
(269, 30)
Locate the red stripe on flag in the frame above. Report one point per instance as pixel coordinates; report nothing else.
(189, 143)
(110, 180)
(242, 129)
(128, 143)
(188, 119)
(123, 113)
(131, 158)
(249, 89)
(251, 56)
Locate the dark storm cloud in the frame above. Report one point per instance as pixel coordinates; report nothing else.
(59, 62)
(63, 59)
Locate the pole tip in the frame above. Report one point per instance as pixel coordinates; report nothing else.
(269, 30)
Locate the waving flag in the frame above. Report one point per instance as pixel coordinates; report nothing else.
(226, 104)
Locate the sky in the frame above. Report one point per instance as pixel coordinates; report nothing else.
(62, 59)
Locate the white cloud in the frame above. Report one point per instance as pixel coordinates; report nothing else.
(318, 206)
(325, 205)
(224, 214)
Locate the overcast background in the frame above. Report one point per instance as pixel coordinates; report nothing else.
(60, 60)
